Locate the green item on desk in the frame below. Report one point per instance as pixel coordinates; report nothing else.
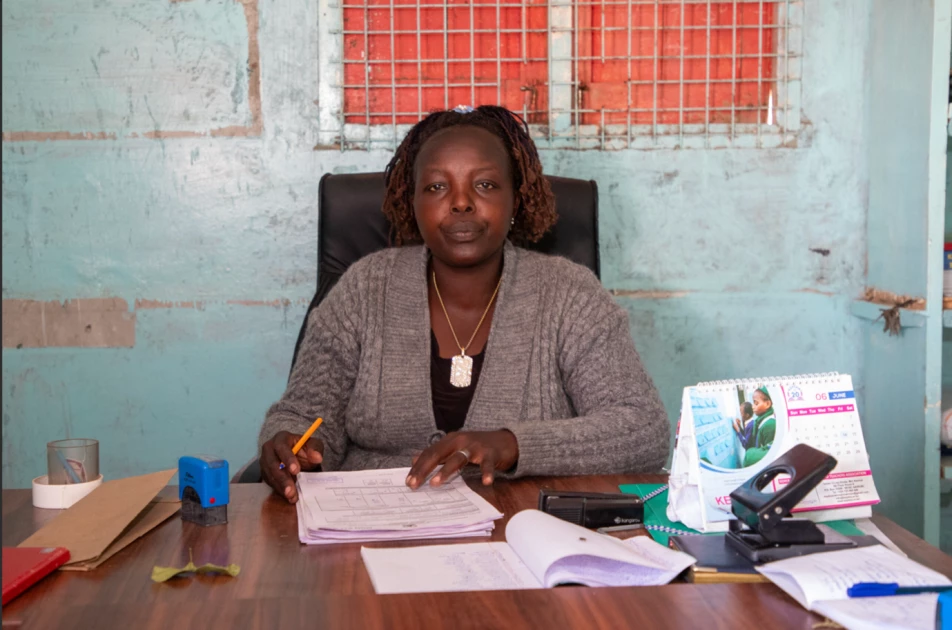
(655, 516)
(661, 528)
(162, 574)
(845, 527)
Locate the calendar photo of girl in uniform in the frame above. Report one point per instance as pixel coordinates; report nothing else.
(756, 433)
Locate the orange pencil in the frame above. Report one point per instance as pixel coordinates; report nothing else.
(304, 438)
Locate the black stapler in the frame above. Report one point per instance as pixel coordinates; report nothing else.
(593, 509)
(764, 530)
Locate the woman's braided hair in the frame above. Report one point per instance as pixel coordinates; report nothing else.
(534, 210)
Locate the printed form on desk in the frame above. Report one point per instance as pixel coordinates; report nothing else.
(819, 582)
(369, 505)
(542, 551)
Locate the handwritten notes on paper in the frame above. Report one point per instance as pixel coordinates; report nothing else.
(819, 582)
(471, 567)
(905, 612)
(372, 505)
(819, 576)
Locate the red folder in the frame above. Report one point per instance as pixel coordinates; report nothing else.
(25, 566)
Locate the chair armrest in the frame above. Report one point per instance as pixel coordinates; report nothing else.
(249, 473)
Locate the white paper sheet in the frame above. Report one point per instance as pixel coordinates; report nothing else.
(901, 612)
(438, 568)
(821, 576)
(377, 505)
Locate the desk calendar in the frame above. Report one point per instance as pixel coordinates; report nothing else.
(731, 430)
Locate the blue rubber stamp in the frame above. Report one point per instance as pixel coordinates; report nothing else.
(203, 489)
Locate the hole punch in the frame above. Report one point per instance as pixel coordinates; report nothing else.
(764, 531)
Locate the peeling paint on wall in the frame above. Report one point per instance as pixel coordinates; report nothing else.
(84, 323)
(272, 303)
(95, 322)
(42, 136)
(888, 298)
(146, 304)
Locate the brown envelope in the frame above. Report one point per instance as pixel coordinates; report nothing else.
(107, 520)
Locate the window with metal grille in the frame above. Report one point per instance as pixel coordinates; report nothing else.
(603, 74)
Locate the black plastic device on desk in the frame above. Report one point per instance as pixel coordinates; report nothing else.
(764, 531)
(593, 509)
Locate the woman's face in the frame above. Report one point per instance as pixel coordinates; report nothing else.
(463, 197)
(761, 403)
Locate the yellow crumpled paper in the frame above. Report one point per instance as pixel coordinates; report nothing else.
(161, 574)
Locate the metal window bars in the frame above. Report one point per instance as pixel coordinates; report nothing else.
(586, 74)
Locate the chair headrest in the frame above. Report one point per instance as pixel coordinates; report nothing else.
(352, 225)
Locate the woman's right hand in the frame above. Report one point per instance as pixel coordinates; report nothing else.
(737, 425)
(277, 451)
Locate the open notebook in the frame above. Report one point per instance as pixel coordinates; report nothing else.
(542, 551)
(819, 582)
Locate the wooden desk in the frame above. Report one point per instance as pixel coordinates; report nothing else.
(284, 584)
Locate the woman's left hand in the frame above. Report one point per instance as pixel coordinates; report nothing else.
(491, 450)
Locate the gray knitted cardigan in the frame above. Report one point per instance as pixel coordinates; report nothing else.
(560, 371)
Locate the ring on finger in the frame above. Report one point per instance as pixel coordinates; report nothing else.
(465, 453)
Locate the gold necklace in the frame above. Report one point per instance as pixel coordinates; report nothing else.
(461, 367)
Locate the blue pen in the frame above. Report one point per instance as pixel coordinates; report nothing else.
(69, 469)
(883, 589)
(943, 611)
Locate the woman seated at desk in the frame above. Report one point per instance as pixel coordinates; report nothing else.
(459, 347)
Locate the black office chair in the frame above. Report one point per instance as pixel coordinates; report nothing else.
(350, 225)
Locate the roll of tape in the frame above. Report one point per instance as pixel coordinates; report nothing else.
(60, 497)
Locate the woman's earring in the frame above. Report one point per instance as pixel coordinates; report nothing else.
(513, 221)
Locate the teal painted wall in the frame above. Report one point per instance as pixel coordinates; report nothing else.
(898, 130)
(718, 255)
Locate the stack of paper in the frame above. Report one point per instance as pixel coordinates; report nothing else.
(371, 505)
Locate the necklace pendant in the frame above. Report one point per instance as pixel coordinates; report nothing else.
(461, 371)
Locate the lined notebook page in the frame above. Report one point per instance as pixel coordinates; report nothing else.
(469, 567)
(557, 552)
(542, 551)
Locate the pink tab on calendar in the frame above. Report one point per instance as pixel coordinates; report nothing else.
(811, 411)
